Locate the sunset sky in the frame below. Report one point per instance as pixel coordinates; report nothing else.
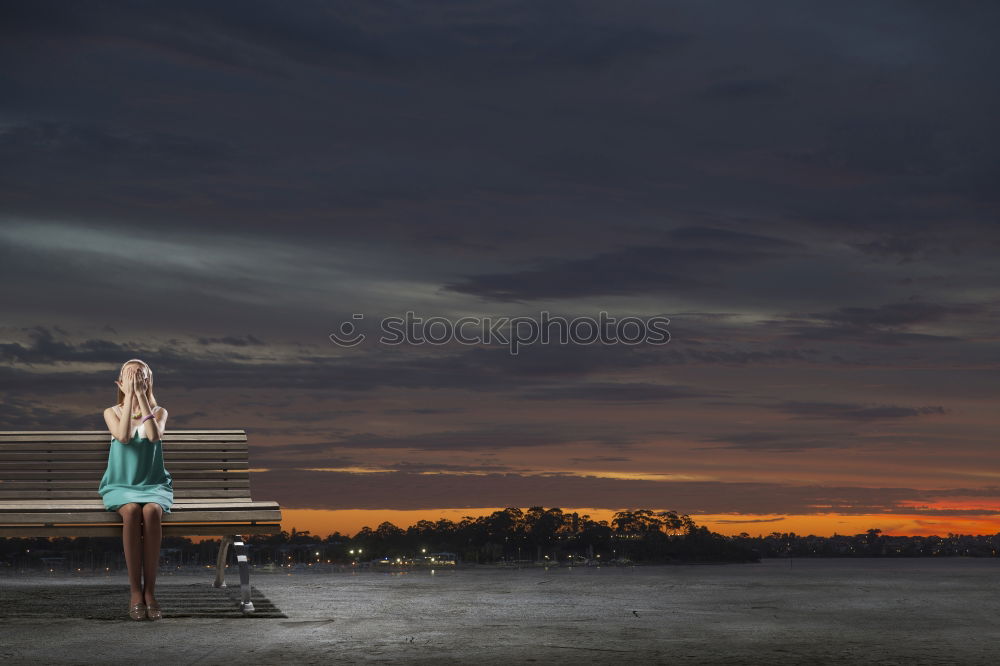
(807, 191)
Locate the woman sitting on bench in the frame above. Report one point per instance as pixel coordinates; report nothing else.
(136, 483)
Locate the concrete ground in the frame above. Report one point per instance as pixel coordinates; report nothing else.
(818, 611)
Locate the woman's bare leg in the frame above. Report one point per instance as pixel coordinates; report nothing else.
(152, 535)
(131, 540)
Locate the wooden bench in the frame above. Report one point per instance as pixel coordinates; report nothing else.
(49, 480)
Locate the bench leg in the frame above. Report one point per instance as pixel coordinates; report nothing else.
(220, 564)
(241, 557)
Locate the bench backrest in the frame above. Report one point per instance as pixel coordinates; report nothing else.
(68, 464)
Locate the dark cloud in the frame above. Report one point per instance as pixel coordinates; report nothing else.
(749, 356)
(498, 436)
(697, 258)
(784, 442)
(854, 412)
(905, 247)
(17, 413)
(731, 239)
(345, 490)
(885, 144)
(633, 270)
(299, 418)
(601, 459)
(608, 392)
(435, 467)
(738, 90)
(50, 149)
(280, 458)
(183, 366)
(896, 314)
(883, 325)
(252, 35)
(44, 349)
(424, 411)
(232, 340)
(865, 335)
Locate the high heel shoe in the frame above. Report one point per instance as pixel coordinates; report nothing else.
(137, 611)
(153, 611)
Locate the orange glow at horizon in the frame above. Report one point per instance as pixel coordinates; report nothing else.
(349, 522)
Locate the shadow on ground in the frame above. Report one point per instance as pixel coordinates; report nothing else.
(109, 602)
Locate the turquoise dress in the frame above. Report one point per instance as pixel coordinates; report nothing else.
(136, 473)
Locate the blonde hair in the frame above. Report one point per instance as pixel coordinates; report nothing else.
(149, 375)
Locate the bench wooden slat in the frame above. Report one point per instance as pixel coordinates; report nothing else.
(66, 484)
(92, 505)
(15, 450)
(178, 472)
(101, 460)
(179, 493)
(69, 435)
(73, 458)
(35, 455)
(116, 530)
(55, 470)
(46, 442)
(193, 516)
(106, 437)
